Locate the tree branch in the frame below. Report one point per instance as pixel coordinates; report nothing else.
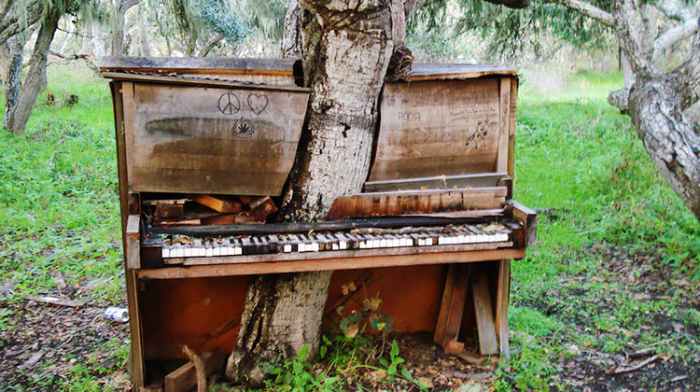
(631, 33)
(675, 10)
(674, 35)
(590, 10)
(12, 24)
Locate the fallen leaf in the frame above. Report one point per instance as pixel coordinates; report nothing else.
(351, 331)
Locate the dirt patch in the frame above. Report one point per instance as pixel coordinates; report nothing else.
(45, 345)
(666, 359)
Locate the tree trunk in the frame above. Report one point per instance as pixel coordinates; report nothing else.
(16, 117)
(656, 103)
(669, 137)
(118, 21)
(291, 33)
(143, 33)
(345, 52)
(14, 53)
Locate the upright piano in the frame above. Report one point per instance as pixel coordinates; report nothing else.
(205, 147)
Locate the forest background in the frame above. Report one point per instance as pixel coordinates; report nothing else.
(613, 281)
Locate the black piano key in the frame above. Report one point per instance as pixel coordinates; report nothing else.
(273, 243)
(248, 246)
(261, 244)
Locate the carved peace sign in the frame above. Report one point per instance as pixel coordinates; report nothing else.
(229, 103)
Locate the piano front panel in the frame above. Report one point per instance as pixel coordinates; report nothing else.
(441, 128)
(193, 139)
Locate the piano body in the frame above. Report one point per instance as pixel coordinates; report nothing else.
(432, 234)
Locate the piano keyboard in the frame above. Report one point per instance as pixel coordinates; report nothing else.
(185, 247)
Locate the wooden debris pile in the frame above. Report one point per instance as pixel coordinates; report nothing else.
(196, 210)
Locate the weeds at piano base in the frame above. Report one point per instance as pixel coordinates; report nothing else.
(612, 275)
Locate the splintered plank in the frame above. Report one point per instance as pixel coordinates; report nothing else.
(452, 270)
(417, 202)
(185, 377)
(169, 211)
(456, 305)
(260, 208)
(228, 219)
(488, 343)
(219, 204)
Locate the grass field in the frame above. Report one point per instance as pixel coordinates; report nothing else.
(615, 270)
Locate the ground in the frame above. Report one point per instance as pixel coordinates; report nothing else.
(612, 285)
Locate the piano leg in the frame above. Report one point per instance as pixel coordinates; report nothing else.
(136, 359)
(502, 300)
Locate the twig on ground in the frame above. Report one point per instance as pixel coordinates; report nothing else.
(638, 366)
(55, 151)
(56, 301)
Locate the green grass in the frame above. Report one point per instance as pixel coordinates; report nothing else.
(58, 189)
(579, 157)
(576, 156)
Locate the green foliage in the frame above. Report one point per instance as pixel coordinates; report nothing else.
(298, 376)
(392, 365)
(541, 28)
(194, 15)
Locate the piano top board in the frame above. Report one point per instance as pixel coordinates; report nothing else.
(448, 120)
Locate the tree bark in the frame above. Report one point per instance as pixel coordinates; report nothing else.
(656, 103)
(143, 33)
(345, 50)
(14, 54)
(669, 137)
(118, 26)
(292, 30)
(17, 116)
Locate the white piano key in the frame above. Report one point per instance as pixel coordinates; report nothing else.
(165, 252)
(216, 251)
(343, 245)
(209, 251)
(287, 248)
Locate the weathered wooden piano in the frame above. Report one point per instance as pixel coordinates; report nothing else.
(205, 147)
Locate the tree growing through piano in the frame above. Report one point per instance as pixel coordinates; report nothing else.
(346, 48)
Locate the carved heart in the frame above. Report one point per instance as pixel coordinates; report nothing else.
(257, 103)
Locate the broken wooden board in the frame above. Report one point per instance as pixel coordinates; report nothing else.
(260, 208)
(478, 180)
(486, 328)
(268, 71)
(219, 204)
(458, 71)
(169, 211)
(185, 377)
(188, 139)
(229, 219)
(417, 202)
(439, 127)
(528, 217)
